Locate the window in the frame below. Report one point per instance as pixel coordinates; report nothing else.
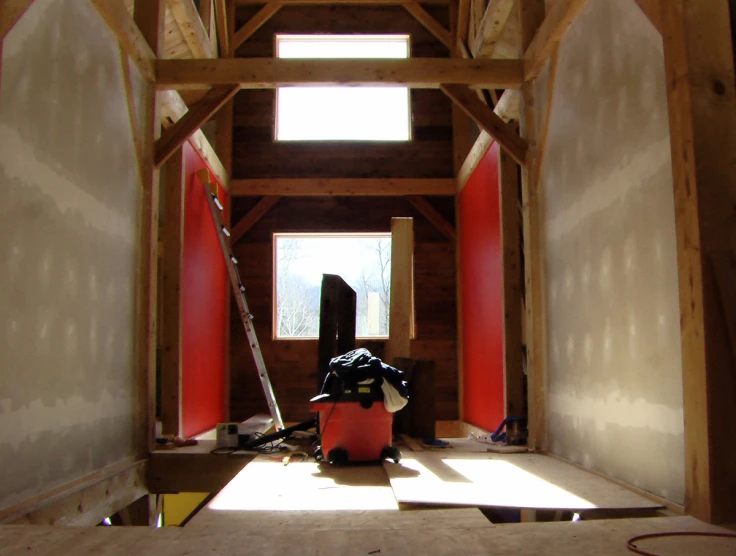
(343, 113)
(362, 260)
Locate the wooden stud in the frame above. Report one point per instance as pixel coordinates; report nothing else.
(255, 23)
(463, 20)
(269, 73)
(429, 23)
(223, 26)
(491, 27)
(508, 109)
(401, 318)
(187, 18)
(531, 13)
(461, 123)
(174, 137)
(699, 67)
(343, 187)
(554, 27)
(172, 269)
(252, 218)
(513, 367)
(434, 217)
(132, 34)
(487, 120)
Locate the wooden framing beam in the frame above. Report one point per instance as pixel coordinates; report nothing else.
(252, 218)
(343, 187)
(701, 92)
(268, 73)
(173, 109)
(131, 33)
(429, 23)
(255, 23)
(401, 312)
(487, 120)
(463, 21)
(508, 109)
(431, 214)
(491, 26)
(85, 501)
(222, 21)
(172, 138)
(186, 15)
(549, 34)
(531, 15)
(172, 303)
(10, 12)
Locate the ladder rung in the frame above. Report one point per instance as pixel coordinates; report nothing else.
(217, 202)
(225, 231)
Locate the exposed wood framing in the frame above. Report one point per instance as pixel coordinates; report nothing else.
(434, 217)
(86, 501)
(268, 73)
(461, 122)
(513, 368)
(401, 311)
(702, 112)
(10, 12)
(429, 22)
(559, 19)
(173, 137)
(187, 18)
(131, 34)
(508, 109)
(172, 110)
(255, 23)
(253, 216)
(149, 18)
(463, 21)
(172, 303)
(223, 26)
(330, 2)
(487, 120)
(492, 26)
(653, 11)
(344, 187)
(531, 14)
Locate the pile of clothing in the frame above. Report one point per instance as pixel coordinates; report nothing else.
(361, 368)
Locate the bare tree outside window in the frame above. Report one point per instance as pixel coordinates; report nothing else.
(362, 260)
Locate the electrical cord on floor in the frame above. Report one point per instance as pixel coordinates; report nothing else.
(633, 548)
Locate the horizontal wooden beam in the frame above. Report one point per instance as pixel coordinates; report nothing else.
(172, 110)
(488, 121)
(131, 39)
(431, 214)
(252, 217)
(255, 23)
(269, 73)
(173, 137)
(86, 501)
(553, 28)
(187, 18)
(429, 23)
(345, 187)
(508, 109)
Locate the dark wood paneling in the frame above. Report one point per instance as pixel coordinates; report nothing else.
(292, 364)
(257, 155)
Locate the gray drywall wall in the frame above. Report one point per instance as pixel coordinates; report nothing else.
(69, 393)
(614, 383)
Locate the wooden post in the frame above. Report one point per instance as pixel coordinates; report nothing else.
(531, 15)
(149, 16)
(702, 111)
(402, 280)
(508, 177)
(172, 268)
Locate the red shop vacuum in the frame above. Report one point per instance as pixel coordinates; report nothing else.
(352, 421)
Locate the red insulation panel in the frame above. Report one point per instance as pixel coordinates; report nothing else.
(482, 295)
(205, 288)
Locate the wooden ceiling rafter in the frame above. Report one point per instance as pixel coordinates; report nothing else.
(429, 23)
(190, 24)
(487, 119)
(173, 137)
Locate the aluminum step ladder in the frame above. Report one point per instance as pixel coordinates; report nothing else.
(223, 235)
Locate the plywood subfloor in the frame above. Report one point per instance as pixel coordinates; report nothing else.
(529, 481)
(602, 538)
